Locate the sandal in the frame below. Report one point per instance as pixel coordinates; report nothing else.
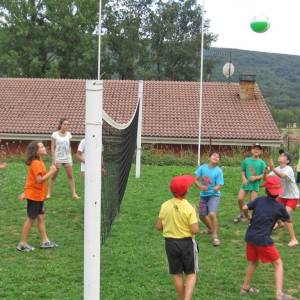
(75, 197)
(284, 296)
(239, 218)
(250, 291)
(216, 242)
(293, 244)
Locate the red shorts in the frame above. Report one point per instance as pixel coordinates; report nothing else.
(292, 203)
(266, 254)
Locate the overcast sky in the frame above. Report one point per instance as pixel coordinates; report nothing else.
(230, 19)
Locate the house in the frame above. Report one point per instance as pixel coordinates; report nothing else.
(232, 113)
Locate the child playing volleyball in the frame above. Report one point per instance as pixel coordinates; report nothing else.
(178, 222)
(35, 192)
(260, 246)
(290, 192)
(209, 179)
(253, 170)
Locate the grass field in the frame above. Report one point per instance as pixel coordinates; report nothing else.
(133, 262)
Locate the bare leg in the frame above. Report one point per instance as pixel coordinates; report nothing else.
(290, 229)
(26, 230)
(51, 183)
(278, 272)
(249, 274)
(69, 171)
(42, 227)
(190, 285)
(253, 195)
(178, 282)
(206, 221)
(241, 197)
(213, 224)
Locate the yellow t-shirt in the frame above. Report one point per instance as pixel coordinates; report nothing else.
(177, 216)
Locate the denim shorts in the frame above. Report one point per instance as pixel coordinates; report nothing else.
(208, 204)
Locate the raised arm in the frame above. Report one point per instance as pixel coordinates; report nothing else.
(40, 179)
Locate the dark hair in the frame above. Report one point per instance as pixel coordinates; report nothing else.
(214, 152)
(61, 122)
(31, 152)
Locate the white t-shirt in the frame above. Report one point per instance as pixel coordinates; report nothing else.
(62, 147)
(81, 148)
(289, 186)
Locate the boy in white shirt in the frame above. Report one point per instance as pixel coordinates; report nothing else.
(290, 196)
(80, 155)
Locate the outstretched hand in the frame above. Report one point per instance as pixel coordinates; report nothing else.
(21, 197)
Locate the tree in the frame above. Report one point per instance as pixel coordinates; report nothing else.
(175, 38)
(48, 38)
(141, 39)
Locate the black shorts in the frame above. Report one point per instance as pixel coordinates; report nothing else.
(182, 255)
(35, 208)
(298, 177)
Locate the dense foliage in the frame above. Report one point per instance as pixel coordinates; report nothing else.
(144, 39)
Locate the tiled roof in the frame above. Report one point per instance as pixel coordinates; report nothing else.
(170, 109)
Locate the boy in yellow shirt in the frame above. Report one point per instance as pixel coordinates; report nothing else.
(179, 223)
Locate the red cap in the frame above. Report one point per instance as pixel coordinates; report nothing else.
(273, 185)
(180, 184)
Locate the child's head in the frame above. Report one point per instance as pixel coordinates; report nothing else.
(284, 158)
(34, 151)
(214, 157)
(272, 185)
(63, 124)
(179, 185)
(256, 150)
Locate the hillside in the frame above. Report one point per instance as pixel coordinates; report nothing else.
(278, 75)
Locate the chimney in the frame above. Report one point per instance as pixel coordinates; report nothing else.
(247, 84)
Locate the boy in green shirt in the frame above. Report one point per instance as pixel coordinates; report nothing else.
(253, 169)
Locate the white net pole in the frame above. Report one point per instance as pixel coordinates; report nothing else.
(201, 84)
(92, 189)
(139, 132)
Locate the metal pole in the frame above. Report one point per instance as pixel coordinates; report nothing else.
(201, 83)
(92, 189)
(139, 131)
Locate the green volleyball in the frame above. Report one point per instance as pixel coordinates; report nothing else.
(260, 24)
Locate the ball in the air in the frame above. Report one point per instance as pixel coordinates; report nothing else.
(260, 24)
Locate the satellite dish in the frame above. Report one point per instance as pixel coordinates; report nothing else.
(228, 69)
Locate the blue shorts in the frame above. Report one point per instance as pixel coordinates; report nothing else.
(208, 204)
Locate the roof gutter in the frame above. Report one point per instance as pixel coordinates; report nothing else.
(156, 140)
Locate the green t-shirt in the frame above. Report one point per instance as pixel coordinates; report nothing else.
(253, 167)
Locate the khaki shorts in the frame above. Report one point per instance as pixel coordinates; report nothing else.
(65, 165)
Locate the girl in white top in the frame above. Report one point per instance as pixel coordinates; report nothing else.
(61, 155)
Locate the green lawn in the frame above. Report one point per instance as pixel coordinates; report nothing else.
(133, 263)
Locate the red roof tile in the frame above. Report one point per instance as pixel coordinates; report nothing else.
(34, 106)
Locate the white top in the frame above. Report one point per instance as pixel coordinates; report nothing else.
(81, 148)
(289, 186)
(62, 147)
